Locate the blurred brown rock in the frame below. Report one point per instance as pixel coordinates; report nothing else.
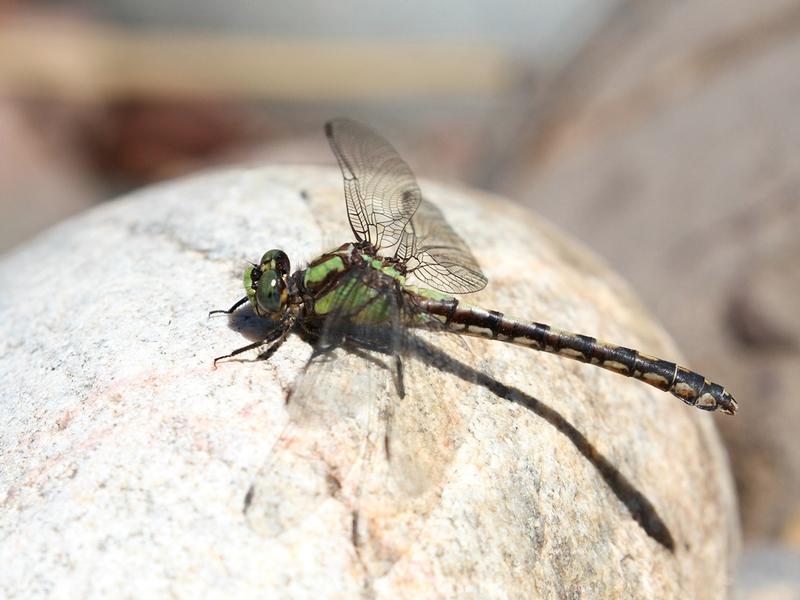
(671, 147)
(42, 181)
(142, 141)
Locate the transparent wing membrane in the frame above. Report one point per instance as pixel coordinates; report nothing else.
(380, 190)
(329, 411)
(437, 255)
(359, 434)
(386, 208)
(426, 426)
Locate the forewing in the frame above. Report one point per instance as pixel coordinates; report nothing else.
(423, 430)
(426, 427)
(437, 255)
(331, 412)
(347, 406)
(329, 416)
(380, 190)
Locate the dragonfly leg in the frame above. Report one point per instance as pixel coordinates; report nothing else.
(230, 310)
(240, 350)
(277, 335)
(399, 382)
(275, 344)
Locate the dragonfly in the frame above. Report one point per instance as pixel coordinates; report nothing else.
(358, 307)
(360, 291)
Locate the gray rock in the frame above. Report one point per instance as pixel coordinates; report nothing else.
(126, 460)
(680, 142)
(768, 572)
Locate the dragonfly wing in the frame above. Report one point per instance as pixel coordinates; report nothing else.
(380, 190)
(331, 411)
(437, 255)
(329, 419)
(352, 403)
(422, 431)
(426, 426)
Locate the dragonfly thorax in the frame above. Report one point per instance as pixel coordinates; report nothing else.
(267, 285)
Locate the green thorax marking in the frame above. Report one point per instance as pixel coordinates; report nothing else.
(428, 293)
(318, 272)
(325, 278)
(332, 264)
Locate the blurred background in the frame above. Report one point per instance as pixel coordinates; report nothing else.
(666, 136)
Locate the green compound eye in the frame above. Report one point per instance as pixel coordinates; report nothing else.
(275, 260)
(271, 292)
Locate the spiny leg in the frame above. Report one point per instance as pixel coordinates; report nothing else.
(401, 386)
(397, 335)
(240, 350)
(276, 344)
(277, 335)
(230, 310)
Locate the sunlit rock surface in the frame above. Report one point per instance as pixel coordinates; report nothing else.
(128, 463)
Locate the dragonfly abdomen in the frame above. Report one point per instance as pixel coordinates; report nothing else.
(689, 386)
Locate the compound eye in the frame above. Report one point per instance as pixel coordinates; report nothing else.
(276, 260)
(270, 292)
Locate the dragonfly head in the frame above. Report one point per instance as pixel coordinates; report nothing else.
(266, 284)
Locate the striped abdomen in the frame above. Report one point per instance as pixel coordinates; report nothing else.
(691, 387)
